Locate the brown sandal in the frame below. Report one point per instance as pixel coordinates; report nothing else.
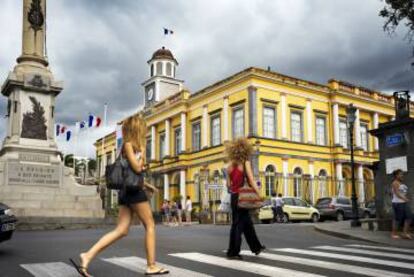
(83, 271)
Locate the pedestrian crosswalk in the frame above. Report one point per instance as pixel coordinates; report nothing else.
(320, 260)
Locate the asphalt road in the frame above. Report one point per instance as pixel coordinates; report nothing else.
(35, 253)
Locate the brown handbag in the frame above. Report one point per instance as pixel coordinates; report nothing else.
(248, 198)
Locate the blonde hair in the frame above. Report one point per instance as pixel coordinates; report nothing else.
(239, 150)
(134, 130)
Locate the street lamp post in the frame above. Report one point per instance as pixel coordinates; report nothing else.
(350, 118)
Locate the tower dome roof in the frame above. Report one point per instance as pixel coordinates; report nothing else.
(163, 53)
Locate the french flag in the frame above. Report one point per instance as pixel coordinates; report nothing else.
(94, 121)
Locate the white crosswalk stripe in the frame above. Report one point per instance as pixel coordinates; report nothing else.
(346, 257)
(314, 260)
(51, 269)
(139, 265)
(366, 271)
(251, 267)
(365, 252)
(395, 249)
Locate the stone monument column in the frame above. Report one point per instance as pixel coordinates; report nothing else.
(33, 179)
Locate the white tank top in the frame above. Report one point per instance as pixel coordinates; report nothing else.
(403, 189)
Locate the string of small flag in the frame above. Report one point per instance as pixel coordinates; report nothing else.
(64, 131)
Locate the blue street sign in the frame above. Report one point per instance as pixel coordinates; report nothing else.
(395, 139)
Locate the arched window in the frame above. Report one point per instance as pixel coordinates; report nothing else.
(297, 182)
(322, 182)
(152, 70)
(169, 70)
(270, 179)
(159, 68)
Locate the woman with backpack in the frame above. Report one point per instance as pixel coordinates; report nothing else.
(240, 171)
(130, 202)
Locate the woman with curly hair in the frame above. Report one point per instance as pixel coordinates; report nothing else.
(239, 170)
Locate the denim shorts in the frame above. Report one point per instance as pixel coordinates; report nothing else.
(401, 211)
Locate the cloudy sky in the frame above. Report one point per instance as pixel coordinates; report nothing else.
(100, 48)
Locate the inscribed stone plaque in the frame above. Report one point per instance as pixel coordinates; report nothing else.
(37, 175)
(396, 163)
(37, 158)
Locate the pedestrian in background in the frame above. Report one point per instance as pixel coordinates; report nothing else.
(188, 209)
(273, 205)
(180, 212)
(279, 207)
(400, 207)
(130, 202)
(166, 211)
(239, 171)
(174, 213)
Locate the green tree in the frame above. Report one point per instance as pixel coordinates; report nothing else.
(398, 12)
(68, 160)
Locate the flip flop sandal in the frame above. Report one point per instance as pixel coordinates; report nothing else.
(80, 269)
(161, 271)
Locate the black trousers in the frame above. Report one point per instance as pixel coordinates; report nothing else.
(242, 224)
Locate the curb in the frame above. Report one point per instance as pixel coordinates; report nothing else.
(346, 236)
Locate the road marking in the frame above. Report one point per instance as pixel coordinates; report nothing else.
(139, 265)
(396, 249)
(366, 252)
(328, 265)
(264, 270)
(51, 270)
(346, 257)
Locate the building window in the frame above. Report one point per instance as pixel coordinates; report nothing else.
(162, 146)
(322, 183)
(296, 126)
(297, 182)
(152, 70)
(343, 134)
(270, 180)
(215, 126)
(169, 69)
(159, 68)
(238, 122)
(196, 136)
(177, 139)
(320, 130)
(148, 150)
(364, 137)
(269, 122)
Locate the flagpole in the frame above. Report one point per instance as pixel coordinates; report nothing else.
(103, 138)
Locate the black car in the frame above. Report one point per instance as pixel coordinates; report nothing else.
(7, 222)
(338, 208)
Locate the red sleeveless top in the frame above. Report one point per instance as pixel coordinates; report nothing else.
(237, 179)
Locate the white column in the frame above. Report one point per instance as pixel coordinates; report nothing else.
(204, 137)
(357, 133)
(375, 121)
(336, 123)
(182, 187)
(361, 185)
(226, 119)
(285, 172)
(183, 132)
(340, 179)
(153, 142)
(167, 137)
(284, 115)
(309, 120)
(166, 187)
(312, 175)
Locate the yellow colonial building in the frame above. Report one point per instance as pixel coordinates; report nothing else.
(298, 129)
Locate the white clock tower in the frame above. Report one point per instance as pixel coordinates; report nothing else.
(162, 82)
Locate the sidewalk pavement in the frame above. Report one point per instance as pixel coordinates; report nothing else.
(343, 229)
